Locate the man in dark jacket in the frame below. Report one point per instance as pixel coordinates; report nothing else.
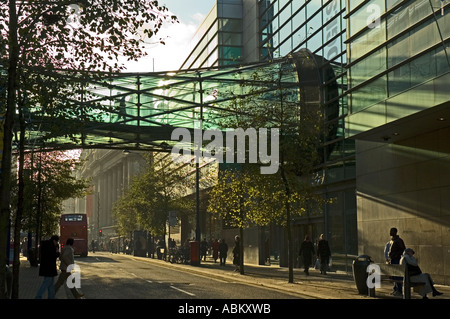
(395, 254)
(306, 253)
(48, 254)
(223, 251)
(324, 253)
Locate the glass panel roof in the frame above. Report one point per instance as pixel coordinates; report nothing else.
(141, 110)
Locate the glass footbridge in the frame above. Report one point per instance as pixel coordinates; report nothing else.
(141, 110)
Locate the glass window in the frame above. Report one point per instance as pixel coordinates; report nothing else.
(365, 15)
(369, 94)
(332, 38)
(285, 31)
(368, 67)
(333, 48)
(312, 7)
(399, 79)
(213, 58)
(367, 41)
(315, 42)
(423, 37)
(391, 3)
(296, 4)
(406, 16)
(423, 68)
(314, 22)
(285, 48)
(230, 53)
(282, 3)
(442, 62)
(231, 25)
(299, 36)
(231, 38)
(354, 3)
(286, 14)
(397, 50)
(299, 18)
(444, 25)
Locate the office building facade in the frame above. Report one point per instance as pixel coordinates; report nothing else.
(267, 30)
(384, 69)
(399, 102)
(319, 26)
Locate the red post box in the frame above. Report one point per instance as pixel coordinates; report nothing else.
(195, 253)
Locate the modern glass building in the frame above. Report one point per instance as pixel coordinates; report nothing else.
(405, 47)
(248, 31)
(383, 75)
(399, 98)
(320, 27)
(218, 40)
(384, 83)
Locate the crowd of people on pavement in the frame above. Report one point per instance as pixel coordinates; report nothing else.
(395, 252)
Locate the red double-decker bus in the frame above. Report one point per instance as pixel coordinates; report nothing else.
(74, 226)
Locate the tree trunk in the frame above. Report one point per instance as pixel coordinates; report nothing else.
(19, 213)
(288, 224)
(5, 180)
(241, 244)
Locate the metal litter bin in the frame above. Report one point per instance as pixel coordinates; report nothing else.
(360, 273)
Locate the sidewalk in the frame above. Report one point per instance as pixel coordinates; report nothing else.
(30, 281)
(334, 285)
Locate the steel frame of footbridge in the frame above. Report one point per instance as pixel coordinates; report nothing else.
(141, 110)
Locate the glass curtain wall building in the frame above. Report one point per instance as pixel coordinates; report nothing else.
(402, 48)
(218, 40)
(246, 31)
(398, 65)
(320, 27)
(384, 74)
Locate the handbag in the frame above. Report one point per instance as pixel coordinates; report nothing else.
(317, 264)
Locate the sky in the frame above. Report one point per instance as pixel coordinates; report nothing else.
(177, 36)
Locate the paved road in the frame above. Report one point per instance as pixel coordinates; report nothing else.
(110, 276)
(143, 286)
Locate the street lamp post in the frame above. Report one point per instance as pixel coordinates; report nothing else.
(197, 154)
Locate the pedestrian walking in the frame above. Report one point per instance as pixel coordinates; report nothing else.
(237, 253)
(416, 274)
(223, 252)
(324, 254)
(203, 249)
(67, 259)
(397, 247)
(215, 250)
(49, 252)
(306, 253)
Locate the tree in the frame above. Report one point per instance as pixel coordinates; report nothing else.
(41, 37)
(162, 187)
(43, 199)
(272, 98)
(231, 200)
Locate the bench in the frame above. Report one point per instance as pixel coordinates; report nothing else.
(388, 271)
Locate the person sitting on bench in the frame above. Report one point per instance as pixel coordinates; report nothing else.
(416, 275)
